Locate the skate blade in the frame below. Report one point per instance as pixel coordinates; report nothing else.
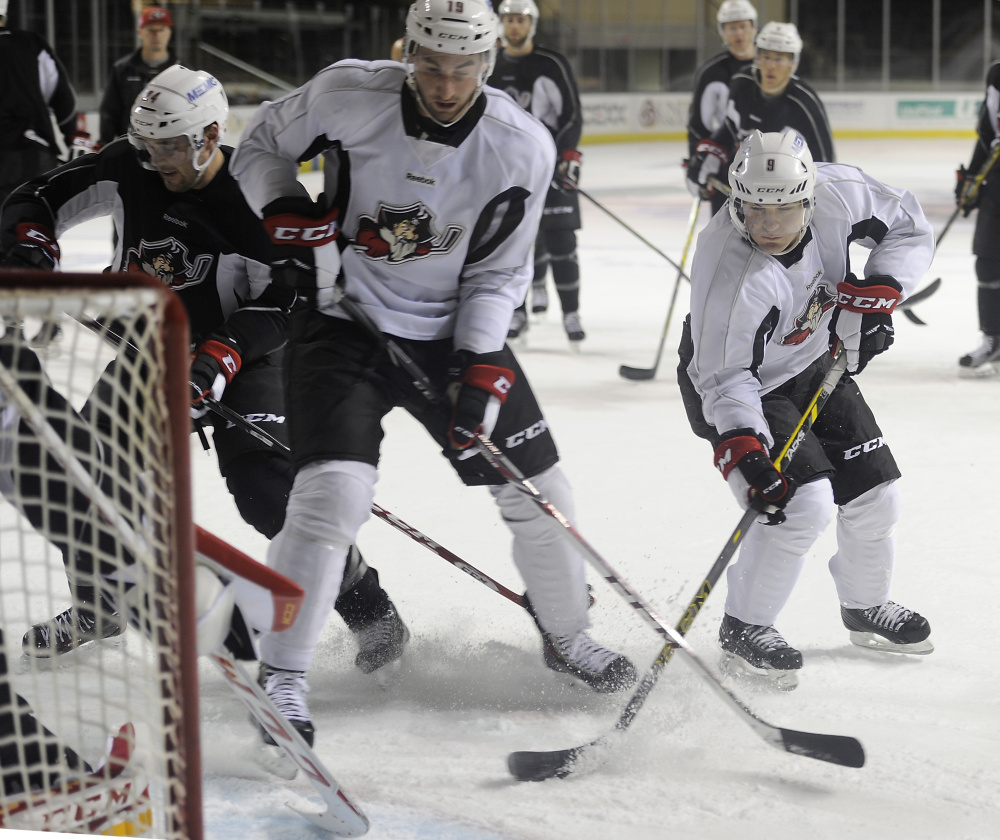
(745, 673)
(274, 760)
(386, 676)
(982, 372)
(872, 641)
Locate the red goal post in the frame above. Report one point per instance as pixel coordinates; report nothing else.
(121, 445)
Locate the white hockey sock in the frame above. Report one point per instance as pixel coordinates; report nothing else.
(771, 556)
(866, 547)
(327, 506)
(553, 571)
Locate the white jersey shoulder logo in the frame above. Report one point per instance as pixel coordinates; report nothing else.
(400, 234)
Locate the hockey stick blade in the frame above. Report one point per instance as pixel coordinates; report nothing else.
(527, 766)
(835, 749)
(922, 294)
(636, 374)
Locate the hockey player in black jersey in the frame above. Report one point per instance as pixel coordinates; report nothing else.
(422, 155)
(541, 81)
(985, 359)
(180, 216)
(737, 21)
(767, 97)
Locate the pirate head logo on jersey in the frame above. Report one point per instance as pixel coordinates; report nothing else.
(398, 234)
(807, 322)
(168, 261)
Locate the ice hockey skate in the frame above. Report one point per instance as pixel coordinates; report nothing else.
(983, 361)
(539, 298)
(888, 627)
(71, 629)
(580, 656)
(287, 690)
(518, 325)
(758, 650)
(381, 644)
(574, 328)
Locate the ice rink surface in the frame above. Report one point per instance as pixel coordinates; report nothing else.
(426, 757)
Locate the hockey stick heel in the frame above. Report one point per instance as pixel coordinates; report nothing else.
(835, 749)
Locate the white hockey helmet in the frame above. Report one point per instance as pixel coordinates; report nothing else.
(179, 103)
(528, 8)
(733, 10)
(780, 37)
(437, 25)
(772, 169)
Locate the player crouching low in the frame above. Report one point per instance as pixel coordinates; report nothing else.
(771, 291)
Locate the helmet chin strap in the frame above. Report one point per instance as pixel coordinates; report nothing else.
(203, 169)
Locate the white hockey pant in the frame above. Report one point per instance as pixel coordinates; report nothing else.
(771, 556)
(329, 502)
(866, 547)
(553, 570)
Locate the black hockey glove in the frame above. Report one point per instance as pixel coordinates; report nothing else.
(477, 389)
(964, 180)
(35, 247)
(863, 317)
(766, 489)
(213, 366)
(568, 170)
(296, 230)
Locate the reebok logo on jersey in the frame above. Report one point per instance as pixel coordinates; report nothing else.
(864, 448)
(424, 180)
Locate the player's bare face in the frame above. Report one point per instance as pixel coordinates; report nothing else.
(447, 83)
(155, 38)
(739, 35)
(774, 228)
(516, 29)
(775, 71)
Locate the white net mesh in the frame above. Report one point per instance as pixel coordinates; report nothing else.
(94, 563)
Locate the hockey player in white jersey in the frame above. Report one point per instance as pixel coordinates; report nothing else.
(434, 185)
(772, 288)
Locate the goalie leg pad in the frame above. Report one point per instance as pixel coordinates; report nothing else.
(771, 556)
(866, 546)
(553, 571)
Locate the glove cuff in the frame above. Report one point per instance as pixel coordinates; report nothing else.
(878, 293)
(224, 355)
(493, 379)
(294, 222)
(737, 445)
(39, 236)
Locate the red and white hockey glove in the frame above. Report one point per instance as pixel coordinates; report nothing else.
(709, 158)
(756, 482)
(568, 170)
(297, 230)
(863, 317)
(35, 247)
(213, 366)
(478, 388)
(80, 144)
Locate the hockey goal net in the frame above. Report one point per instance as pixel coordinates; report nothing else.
(95, 527)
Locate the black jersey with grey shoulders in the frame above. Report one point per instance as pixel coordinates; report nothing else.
(204, 244)
(542, 83)
(710, 96)
(798, 107)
